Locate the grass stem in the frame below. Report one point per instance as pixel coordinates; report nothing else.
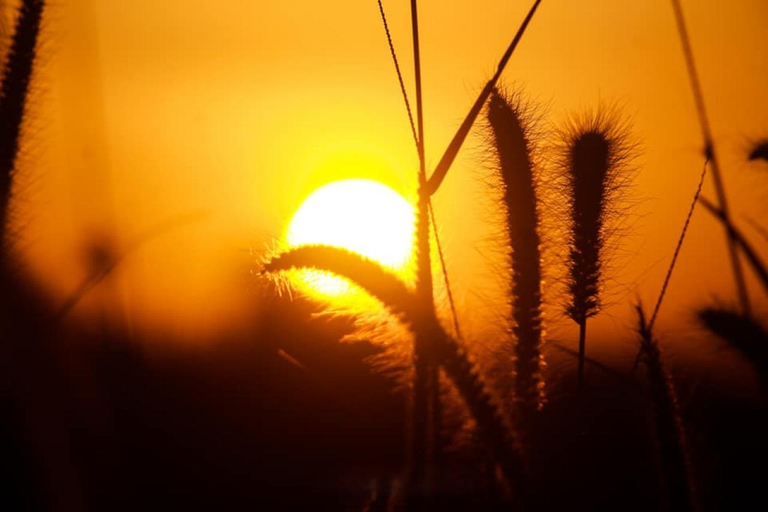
(711, 153)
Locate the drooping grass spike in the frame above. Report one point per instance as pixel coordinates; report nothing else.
(511, 143)
(405, 304)
(366, 273)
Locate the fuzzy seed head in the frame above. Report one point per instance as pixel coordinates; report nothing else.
(513, 148)
(593, 164)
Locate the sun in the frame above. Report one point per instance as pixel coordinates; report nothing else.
(360, 215)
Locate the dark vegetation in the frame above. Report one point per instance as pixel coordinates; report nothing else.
(282, 416)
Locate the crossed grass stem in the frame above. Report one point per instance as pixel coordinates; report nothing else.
(427, 409)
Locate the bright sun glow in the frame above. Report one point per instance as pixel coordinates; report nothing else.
(363, 216)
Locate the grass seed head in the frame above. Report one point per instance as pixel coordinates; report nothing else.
(592, 162)
(511, 142)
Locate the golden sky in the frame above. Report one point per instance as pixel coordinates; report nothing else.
(218, 118)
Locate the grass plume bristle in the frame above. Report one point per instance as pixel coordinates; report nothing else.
(13, 94)
(592, 162)
(369, 275)
(513, 148)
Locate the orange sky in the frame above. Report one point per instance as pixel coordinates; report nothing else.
(221, 116)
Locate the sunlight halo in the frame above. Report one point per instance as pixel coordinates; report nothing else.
(360, 215)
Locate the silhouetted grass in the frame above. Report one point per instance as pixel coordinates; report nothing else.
(593, 161)
(676, 470)
(710, 151)
(426, 411)
(13, 94)
(283, 417)
(513, 147)
(678, 247)
(444, 350)
(426, 442)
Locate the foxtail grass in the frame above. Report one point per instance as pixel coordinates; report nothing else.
(496, 434)
(593, 162)
(13, 95)
(426, 441)
(513, 147)
(677, 475)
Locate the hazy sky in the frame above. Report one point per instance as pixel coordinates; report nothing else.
(219, 117)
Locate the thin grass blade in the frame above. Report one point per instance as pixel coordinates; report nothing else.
(453, 148)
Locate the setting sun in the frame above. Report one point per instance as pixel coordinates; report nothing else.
(384, 255)
(363, 216)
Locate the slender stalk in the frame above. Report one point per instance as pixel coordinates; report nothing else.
(706, 132)
(417, 77)
(424, 368)
(582, 348)
(593, 362)
(400, 81)
(671, 268)
(677, 248)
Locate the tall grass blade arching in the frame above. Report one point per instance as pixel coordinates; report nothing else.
(500, 439)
